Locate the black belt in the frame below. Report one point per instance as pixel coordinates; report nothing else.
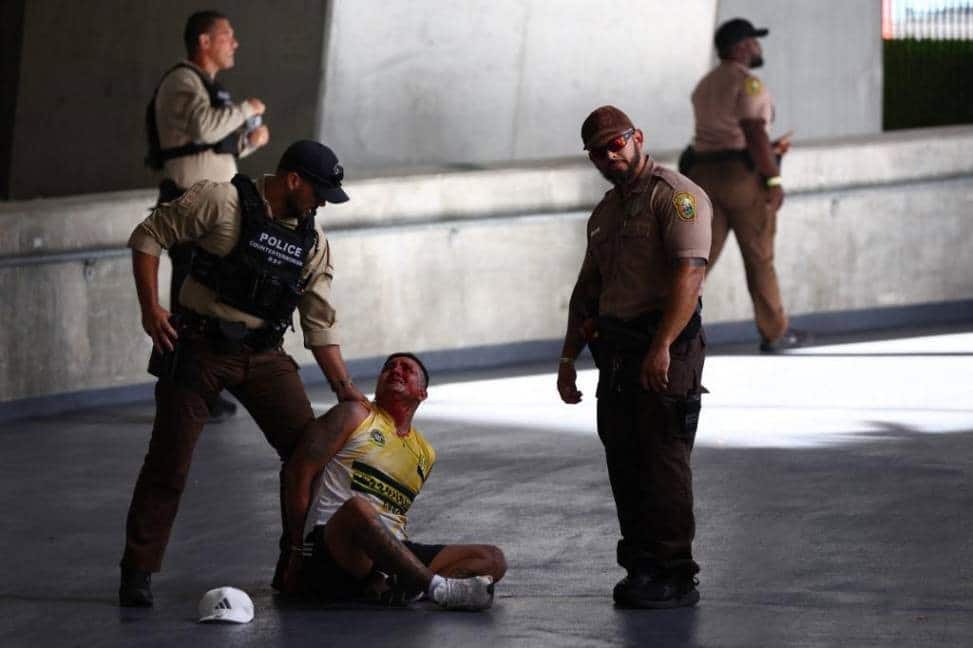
(231, 337)
(742, 155)
(690, 157)
(635, 335)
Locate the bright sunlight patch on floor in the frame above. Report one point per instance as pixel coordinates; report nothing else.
(817, 396)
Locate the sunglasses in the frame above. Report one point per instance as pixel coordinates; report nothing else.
(613, 146)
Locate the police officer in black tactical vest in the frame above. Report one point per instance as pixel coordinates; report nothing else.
(196, 132)
(257, 258)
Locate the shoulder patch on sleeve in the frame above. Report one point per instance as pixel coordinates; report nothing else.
(685, 204)
(753, 86)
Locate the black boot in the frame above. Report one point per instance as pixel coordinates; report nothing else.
(278, 580)
(651, 585)
(791, 339)
(135, 589)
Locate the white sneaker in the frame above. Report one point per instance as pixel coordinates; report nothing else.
(474, 593)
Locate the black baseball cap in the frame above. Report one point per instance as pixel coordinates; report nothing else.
(317, 164)
(733, 31)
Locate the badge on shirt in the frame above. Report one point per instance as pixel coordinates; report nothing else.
(377, 437)
(753, 86)
(685, 205)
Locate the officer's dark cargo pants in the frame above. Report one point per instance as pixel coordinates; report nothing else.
(648, 439)
(267, 383)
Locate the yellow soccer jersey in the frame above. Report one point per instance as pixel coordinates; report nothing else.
(375, 463)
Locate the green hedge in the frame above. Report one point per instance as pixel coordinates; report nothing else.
(927, 83)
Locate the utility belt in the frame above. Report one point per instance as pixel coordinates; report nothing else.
(232, 337)
(620, 346)
(224, 338)
(691, 156)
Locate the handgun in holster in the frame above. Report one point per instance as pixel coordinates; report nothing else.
(166, 364)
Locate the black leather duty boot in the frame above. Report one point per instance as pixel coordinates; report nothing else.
(135, 589)
(652, 584)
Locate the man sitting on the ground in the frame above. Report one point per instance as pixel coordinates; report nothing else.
(348, 486)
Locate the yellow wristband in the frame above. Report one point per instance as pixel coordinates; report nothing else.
(565, 360)
(774, 181)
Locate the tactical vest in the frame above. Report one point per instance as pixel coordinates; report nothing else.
(262, 274)
(219, 97)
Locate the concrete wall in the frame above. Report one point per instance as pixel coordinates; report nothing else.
(428, 82)
(89, 68)
(823, 63)
(476, 82)
(455, 261)
(413, 83)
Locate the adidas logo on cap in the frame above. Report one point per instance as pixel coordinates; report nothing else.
(226, 604)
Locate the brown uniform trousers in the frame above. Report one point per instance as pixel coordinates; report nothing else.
(740, 204)
(267, 383)
(648, 444)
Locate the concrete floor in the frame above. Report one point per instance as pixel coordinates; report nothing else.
(833, 492)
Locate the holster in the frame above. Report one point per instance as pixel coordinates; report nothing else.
(181, 365)
(167, 364)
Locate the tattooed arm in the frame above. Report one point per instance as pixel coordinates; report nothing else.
(322, 439)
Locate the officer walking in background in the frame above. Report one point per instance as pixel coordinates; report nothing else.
(734, 161)
(258, 257)
(637, 304)
(196, 132)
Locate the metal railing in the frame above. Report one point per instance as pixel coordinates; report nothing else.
(927, 19)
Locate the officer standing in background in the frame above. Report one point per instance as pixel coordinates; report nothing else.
(258, 257)
(196, 132)
(637, 304)
(734, 161)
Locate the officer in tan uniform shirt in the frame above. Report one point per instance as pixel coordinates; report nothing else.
(200, 131)
(637, 305)
(734, 161)
(258, 256)
(201, 134)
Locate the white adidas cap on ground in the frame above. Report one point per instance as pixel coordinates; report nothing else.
(226, 604)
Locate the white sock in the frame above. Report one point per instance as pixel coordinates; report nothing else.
(433, 584)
